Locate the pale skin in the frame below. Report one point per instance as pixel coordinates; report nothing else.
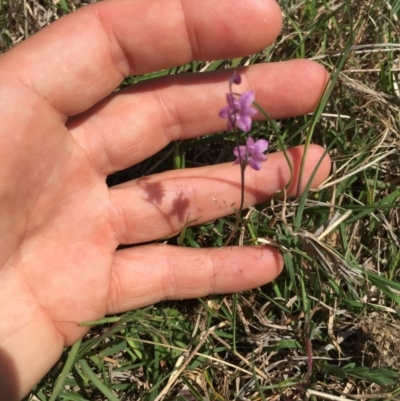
(61, 225)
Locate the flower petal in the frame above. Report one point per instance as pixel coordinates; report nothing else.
(244, 123)
(250, 142)
(240, 150)
(249, 111)
(254, 164)
(224, 112)
(261, 146)
(247, 98)
(260, 157)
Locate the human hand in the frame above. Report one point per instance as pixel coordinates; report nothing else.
(61, 225)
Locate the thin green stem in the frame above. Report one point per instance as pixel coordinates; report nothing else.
(242, 164)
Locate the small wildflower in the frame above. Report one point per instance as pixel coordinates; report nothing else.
(252, 153)
(239, 111)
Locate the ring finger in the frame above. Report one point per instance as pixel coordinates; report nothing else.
(160, 205)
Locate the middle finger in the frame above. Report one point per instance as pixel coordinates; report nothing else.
(135, 123)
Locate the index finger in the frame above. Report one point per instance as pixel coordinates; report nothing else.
(81, 58)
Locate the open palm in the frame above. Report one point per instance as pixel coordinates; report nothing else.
(62, 133)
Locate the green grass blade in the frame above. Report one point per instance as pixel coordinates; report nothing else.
(66, 370)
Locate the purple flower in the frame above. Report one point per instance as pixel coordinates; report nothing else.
(252, 153)
(235, 78)
(239, 111)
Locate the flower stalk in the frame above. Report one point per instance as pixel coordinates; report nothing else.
(239, 112)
